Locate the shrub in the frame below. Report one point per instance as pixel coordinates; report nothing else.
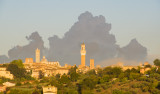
(88, 82)
(145, 88)
(134, 76)
(136, 85)
(124, 79)
(105, 78)
(86, 92)
(18, 84)
(98, 90)
(155, 91)
(116, 91)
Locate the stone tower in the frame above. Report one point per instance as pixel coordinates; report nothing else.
(91, 63)
(37, 55)
(83, 54)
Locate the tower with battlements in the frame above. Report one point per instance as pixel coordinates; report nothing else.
(83, 54)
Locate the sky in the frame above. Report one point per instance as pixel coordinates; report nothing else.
(130, 19)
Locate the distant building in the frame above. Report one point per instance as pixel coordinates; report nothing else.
(44, 60)
(49, 90)
(29, 60)
(83, 68)
(68, 66)
(120, 64)
(129, 67)
(145, 67)
(5, 73)
(91, 63)
(35, 74)
(142, 70)
(47, 68)
(2, 88)
(146, 63)
(9, 84)
(49, 72)
(98, 66)
(37, 55)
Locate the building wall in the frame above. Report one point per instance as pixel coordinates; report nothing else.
(35, 74)
(6, 74)
(142, 71)
(50, 90)
(29, 60)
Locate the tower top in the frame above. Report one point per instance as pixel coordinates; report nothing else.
(83, 43)
(83, 50)
(37, 49)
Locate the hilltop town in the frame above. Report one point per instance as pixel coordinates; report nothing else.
(49, 77)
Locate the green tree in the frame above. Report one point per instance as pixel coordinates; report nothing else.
(64, 79)
(41, 74)
(148, 66)
(53, 81)
(134, 70)
(18, 62)
(16, 67)
(114, 72)
(73, 69)
(88, 82)
(73, 74)
(18, 84)
(157, 62)
(35, 92)
(16, 71)
(127, 73)
(91, 72)
(105, 78)
(100, 72)
(58, 76)
(134, 76)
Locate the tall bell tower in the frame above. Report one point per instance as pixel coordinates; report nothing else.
(37, 55)
(83, 54)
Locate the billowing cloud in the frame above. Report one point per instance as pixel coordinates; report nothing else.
(94, 31)
(3, 59)
(22, 52)
(133, 51)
